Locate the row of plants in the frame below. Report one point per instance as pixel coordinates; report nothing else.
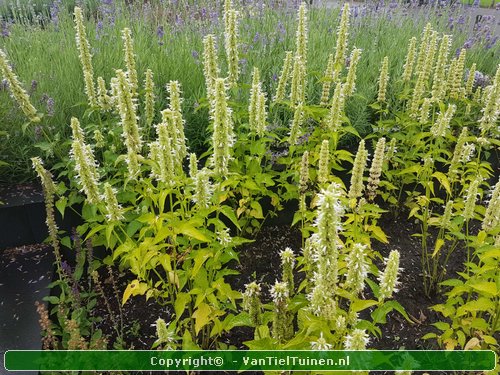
(41, 44)
(175, 220)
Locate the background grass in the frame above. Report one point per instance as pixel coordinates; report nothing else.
(42, 48)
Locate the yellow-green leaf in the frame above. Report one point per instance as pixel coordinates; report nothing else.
(487, 287)
(134, 288)
(439, 245)
(378, 233)
(191, 231)
(443, 180)
(201, 317)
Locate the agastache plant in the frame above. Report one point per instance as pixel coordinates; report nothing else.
(85, 57)
(85, 164)
(287, 263)
(350, 83)
(456, 76)
(491, 109)
(223, 136)
(325, 253)
(203, 189)
(296, 125)
(257, 107)
(376, 169)
(383, 80)
(324, 160)
(284, 77)
(231, 45)
(328, 77)
(114, 212)
(342, 35)
(129, 123)
(128, 50)
(388, 279)
(439, 80)
(410, 60)
(357, 268)
(177, 132)
(252, 303)
(356, 187)
(457, 155)
(282, 327)
(104, 101)
(210, 65)
(49, 190)
(334, 118)
(149, 97)
(492, 215)
(297, 92)
(17, 91)
(442, 123)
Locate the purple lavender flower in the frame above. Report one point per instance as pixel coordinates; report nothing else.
(281, 28)
(160, 32)
(491, 42)
(50, 107)
(38, 132)
(275, 77)
(4, 29)
(54, 10)
(98, 29)
(256, 37)
(468, 44)
(195, 55)
(33, 87)
(4, 85)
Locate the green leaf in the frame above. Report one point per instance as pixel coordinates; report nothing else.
(180, 304)
(201, 317)
(380, 313)
(200, 256)
(439, 245)
(61, 205)
(240, 320)
(443, 180)
(187, 341)
(51, 299)
(189, 230)
(134, 288)
(378, 233)
(481, 304)
(486, 287)
(229, 213)
(442, 326)
(256, 211)
(361, 305)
